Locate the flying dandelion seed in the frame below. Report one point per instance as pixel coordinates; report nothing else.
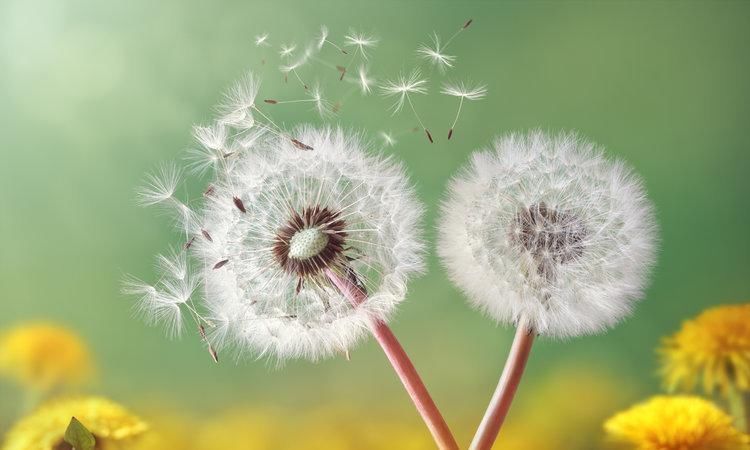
(238, 114)
(435, 54)
(402, 87)
(296, 64)
(364, 81)
(287, 50)
(388, 139)
(463, 28)
(315, 96)
(463, 92)
(322, 39)
(261, 40)
(361, 43)
(303, 59)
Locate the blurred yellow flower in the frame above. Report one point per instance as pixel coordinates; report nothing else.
(168, 431)
(714, 347)
(565, 409)
(676, 423)
(44, 429)
(43, 356)
(343, 428)
(241, 430)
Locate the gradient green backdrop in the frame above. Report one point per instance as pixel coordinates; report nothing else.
(93, 94)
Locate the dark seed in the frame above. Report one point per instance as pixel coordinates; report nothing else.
(238, 203)
(271, 101)
(221, 264)
(206, 235)
(450, 133)
(300, 145)
(468, 22)
(429, 136)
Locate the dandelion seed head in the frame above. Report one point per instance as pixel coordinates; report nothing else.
(545, 227)
(263, 273)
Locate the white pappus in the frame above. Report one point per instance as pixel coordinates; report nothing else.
(274, 222)
(545, 227)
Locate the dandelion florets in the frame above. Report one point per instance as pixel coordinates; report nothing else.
(44, 429)
(544, 227)
(713, 349)
(676, 423)
(44, 356)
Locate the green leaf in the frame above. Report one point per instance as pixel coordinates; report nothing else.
(78, 436)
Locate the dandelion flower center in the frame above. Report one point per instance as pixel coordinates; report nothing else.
(310, 241)
(552, 237)
(307, 243)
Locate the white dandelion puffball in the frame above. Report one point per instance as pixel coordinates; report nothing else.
(545, 228)
(278, 220)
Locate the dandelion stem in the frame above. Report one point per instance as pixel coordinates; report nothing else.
(455, 121)
(402, 365)
(429, 136)
(506, 389)
(739, 406)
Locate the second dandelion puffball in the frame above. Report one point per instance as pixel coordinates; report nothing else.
(544, 227)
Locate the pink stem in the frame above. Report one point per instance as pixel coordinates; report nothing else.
(506, 389)
(403, 367)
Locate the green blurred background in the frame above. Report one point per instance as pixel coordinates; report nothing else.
(94, 94)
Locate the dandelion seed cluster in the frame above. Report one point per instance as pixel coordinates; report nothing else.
(350, 59)
(275, 220)
(543, 226)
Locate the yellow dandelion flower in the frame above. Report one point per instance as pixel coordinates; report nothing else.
(43, 356)
(714, 347)
(110, 423)
(676, 423)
